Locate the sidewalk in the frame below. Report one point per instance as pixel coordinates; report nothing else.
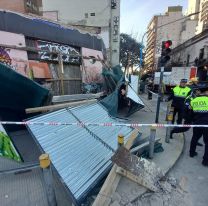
(127, 191)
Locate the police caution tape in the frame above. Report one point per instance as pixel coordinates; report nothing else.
(104, 124)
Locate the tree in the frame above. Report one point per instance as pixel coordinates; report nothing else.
(129, 50)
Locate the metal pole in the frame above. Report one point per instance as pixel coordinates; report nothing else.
(48, 177)
(152, 142)
(120, 140)
(159, 95)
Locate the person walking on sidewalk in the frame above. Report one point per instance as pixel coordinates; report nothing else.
(199, 108)
(178, 95)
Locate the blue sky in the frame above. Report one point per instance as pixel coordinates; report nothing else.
(136, 14)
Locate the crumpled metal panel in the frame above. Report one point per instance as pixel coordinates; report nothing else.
(98, 114)
(79, 158)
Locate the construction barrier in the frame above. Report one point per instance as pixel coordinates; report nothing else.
(104, 124)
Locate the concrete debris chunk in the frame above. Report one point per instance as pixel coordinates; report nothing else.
(137, 169)
(115, 203)
(116, 197)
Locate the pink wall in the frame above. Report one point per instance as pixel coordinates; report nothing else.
(91, 71)
(19, 59)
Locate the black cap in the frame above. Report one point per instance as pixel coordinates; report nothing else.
(184, 80)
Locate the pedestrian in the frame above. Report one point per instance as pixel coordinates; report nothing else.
(178, 95)
(150, 88)
(199, 108)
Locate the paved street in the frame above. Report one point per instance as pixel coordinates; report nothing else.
(189, 170)
(196, 174)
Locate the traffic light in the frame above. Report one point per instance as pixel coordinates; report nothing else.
(165, 52)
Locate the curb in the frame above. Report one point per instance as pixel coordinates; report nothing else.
(179, 155)
(182, 136)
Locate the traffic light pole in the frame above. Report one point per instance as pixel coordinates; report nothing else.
(159, 95)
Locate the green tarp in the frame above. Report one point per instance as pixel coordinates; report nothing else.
(114, 80)
(7, 148)
(17, 92)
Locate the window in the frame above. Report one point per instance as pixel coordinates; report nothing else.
(86, 15)
(92, 14)
(201, 54)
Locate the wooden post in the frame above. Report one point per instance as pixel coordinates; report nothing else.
(47, 174)
(61, 72)
(168, 129)
(152, 142)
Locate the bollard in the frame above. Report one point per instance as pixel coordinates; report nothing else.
(47, 174)
(120, 140)
(168, 129)
(167, 111)
(152, 142)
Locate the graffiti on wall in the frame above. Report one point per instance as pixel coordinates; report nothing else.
(7, 56)
(69, 54)
(4, 57)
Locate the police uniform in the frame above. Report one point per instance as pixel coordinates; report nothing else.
(199, 106)
(178, 96)
(186, 116)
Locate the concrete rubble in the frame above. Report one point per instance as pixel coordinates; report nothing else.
(171, 193)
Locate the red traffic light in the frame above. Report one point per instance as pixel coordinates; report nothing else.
(168, 44)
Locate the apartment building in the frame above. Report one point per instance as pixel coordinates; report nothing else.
(101, 17)
(22, 6)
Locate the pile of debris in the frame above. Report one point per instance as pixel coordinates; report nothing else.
(171, 193)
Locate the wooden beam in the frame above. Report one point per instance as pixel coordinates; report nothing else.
(57, 106)
(66, 79)
(137, 179)
(75, 97)
(111, 182)
(61, 72)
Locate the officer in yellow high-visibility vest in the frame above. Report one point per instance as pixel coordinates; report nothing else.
(179, 94)
(199, 107)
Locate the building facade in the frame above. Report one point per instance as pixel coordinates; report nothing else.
(193, 52)
(22, 6)
(100, 17)
(158, 31)
(52, 57)
(170, 26)
(194, 7)
(203, 16)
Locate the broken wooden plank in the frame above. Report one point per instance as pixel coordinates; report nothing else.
(147, 173)
(111, 182)
(58, 106)
(75, 97)
(65, 79)
(137, 179)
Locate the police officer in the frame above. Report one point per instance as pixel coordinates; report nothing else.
(179, 94)
(199, 107)
(187, 114)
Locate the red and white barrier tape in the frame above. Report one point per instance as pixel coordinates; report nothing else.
(104, 124)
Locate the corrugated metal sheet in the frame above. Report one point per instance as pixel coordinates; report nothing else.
(78, 156)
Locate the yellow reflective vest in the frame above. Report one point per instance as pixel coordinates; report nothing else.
(181, 92)
(200, 104)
